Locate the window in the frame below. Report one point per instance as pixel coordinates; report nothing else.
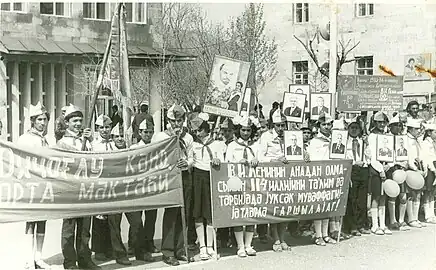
(16, 6)
(54, 8)
(365, 10)
(365, 65)
(136, 12)
(99, 11)
(300, 72)
(301, 12)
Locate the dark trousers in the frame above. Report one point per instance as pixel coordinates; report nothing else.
(262, 229)
(106, 236)
(187, 197)
(76, 231)
(172, 236)
(149, 229)
(141, 235)
(356, 216)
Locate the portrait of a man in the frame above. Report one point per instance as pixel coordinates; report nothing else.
(302, 89)
(320, 107)
(411, 65)
(293, 110)
(293, 149)
(401, 150)
(293, 104)
(385, 150)
(338, 147)
(235, 96)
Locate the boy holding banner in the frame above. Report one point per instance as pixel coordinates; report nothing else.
(244, 150)
(319, 149)
(106, 232)
(271, 149)
(35, 137)
(207, 152)
(76, 230)
(172, 238)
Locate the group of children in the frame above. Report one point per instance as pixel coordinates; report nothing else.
(248, 140)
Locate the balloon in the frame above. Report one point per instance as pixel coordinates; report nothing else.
(391, 188)
(234, 184)
(324, 30)
(399, 176)
(414, 180)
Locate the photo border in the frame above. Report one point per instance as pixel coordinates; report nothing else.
(300, 157)
(292, 118)
(344, 142)
(377, 148)
(312, 117)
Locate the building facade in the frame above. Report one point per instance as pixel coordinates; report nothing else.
(50, 51)
(389, 35)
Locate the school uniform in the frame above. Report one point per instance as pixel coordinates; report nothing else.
(415, 151)
(429, 159)
(75, 230)
(204, 151)
(375, 168)
(106, 233)
(172, 238)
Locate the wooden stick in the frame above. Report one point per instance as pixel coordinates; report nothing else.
(98, 86)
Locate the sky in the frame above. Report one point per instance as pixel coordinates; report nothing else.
(221, 12)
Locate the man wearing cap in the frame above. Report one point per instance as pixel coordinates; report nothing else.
(356, 212)
(35, 137)
(60, 124)
(141, 235)
(76, 230)
(137, 120)
(319, 149)
(415, 163)
(106, 234)
(271, 149)
(172, 240)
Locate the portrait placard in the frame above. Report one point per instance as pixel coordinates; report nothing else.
(293, 107)
(385, 148)
(320, 102)
(414, 65)
(338, 144)
(401, 153)
(302, 89)
(294, 145)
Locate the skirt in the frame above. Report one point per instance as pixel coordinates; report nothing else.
(375, 182)
(201, 195)
(429, 181)
(390, 172)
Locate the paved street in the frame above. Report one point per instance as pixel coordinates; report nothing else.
(407, 250)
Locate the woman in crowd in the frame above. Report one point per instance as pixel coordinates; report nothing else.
(319, 149)
(244, 150)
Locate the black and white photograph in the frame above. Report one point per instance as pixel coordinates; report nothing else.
(294, 145)
(293, 107)
(302, 89)
(385, 148)
(401, 153)
(338, 144)
(320, 103)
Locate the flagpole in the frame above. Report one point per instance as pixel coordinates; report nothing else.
(99, 85)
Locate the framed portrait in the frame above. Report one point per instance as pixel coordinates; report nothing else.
(226, 86)
(294, 145)
(385, 148)
(412, 65)
(302, 89)
(338, 144)
(401, 153)
(320, 102)
(350, 116)
(293, 107)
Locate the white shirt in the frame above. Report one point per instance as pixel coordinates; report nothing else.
(414, 151)
(270, 146)
(202, 157)
(319, 148)
(137, 145)
(187, 139)
(349, 150)
(235, 151)
(72, 141)
(429, 153)
(32, 138)
(103, 145)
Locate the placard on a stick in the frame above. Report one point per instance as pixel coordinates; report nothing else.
(370, 93)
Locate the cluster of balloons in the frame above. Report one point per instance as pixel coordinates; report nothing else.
(414, 180)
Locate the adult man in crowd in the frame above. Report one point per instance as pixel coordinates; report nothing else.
(76, 230)
(60, 125)
(116, 118)
(137, 120)
(172, 240)
(141, 235)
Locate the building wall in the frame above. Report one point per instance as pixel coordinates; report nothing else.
(391, 33)
(62, 81)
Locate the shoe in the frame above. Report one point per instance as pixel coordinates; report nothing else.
(415, 224)
(241, 253)
(154, 249)
(250, 251)
(146, 257)
(40, 264)
(329, 240)
(404, 226)
(277, 246)
(211, 252)
(172, 261)
(355, 233)
(100, 257)
(431, 220)
(364, 231)
(71, 267)
(123, 261)
(423, 225)
(182, 257)
(387, 231)
(377, 231)
(89, 265)
(395, 226)
(285, 246)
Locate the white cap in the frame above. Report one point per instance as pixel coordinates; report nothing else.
(116, 130)
(103, 120)
(72, 109)
(175, 111)
(277, 117)
(36, 110)
(146, 125)
(394, 120)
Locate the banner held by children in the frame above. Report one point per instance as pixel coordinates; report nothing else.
(41, 184)
(274, 192)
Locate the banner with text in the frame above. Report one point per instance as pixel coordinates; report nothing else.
(43, 183)
(274, 192)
